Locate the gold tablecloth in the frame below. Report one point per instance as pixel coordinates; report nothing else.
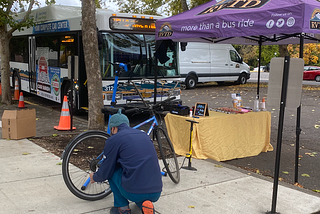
(221, 136)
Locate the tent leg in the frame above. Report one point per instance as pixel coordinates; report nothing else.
(259, 64)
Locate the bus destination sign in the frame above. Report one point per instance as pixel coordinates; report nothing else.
(132, 24)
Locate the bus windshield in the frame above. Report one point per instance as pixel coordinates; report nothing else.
(136, 50)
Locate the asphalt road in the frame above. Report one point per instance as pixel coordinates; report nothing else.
(308, 173)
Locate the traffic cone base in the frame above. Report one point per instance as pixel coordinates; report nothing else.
(65, 119)
(21, 101)
(16, 91)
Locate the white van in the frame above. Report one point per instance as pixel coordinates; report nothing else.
(205, 62)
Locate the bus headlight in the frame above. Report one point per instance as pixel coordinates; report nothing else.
(176, 92)
(118, 97)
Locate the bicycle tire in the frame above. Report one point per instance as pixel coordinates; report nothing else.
(168, 155)
(79, 161)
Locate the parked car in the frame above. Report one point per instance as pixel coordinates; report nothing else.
(262, 68)
(311, 73)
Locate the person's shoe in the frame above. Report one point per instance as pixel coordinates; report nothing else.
(117, 210)
(147, 207)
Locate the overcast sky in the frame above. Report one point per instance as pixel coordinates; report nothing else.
(110, 4)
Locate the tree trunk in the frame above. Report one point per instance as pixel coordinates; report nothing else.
(184, 5)
(283, 50)
(5, 66)
(91, 56)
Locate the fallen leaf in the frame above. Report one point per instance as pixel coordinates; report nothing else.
(300, 156)
(76, 150)
(280, 179)
(59, 163)
(54, 135)
(285, 172)
(298, 185)
(90, 147)
(26, 153)
(291, 144)
(316, 190)
(37, 118)
(316, 126)
(305, 175)
(191, 206)
(219, 166)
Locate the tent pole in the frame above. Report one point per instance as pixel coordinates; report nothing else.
(259, 64)
(298, 128)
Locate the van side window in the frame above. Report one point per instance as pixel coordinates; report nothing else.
(234, 56)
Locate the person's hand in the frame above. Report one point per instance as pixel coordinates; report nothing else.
(91, 178)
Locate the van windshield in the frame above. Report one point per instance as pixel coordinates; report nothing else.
(234, 56)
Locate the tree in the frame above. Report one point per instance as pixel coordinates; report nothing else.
(310, 53)
(91, 58)
(149, 7)
(8, 24)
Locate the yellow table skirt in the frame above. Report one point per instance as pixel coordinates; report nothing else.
(221, 136)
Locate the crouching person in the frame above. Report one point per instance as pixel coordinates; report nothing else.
(131, 167)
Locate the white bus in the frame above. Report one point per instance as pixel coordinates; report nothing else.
(39, 57)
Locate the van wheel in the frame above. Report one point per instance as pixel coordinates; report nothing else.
(220, 83)
(191, 82)
(242, 79)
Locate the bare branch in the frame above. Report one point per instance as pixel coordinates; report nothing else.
(24, 18)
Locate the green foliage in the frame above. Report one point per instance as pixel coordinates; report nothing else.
(268, 52)
(49, 2)
(149, 7)
(9, 10)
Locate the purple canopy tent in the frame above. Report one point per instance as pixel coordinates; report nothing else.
(250, 22)
(242, 22)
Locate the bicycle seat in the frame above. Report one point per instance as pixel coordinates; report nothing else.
(111, 110)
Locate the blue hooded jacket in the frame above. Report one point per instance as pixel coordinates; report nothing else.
(133, 151)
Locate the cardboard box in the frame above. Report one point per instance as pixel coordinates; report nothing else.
(18, 124)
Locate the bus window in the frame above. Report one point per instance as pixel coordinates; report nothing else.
(47, 47)
(124, 48)
(169, 68)
(19, 49)
(67, 48)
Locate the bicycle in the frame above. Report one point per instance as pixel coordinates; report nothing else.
(89, 145)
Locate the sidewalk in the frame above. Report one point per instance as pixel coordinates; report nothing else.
(31, 182)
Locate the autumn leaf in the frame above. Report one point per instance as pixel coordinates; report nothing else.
(219, 166)
(285, 172)
(298, 185)
(26, 153)
(54, 135)
(191, 206)
(316, 126)
(59, 163)
(90, 147)
(316, 190)
(305, 175)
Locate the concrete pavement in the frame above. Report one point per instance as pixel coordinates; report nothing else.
(31, 182)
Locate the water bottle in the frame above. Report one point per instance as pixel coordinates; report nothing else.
(256, 104)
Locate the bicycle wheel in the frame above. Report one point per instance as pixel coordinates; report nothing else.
(80, 158)
(168, 155)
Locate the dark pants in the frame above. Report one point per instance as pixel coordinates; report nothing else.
(121, 196)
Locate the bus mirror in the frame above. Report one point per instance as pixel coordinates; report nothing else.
(75, 67)
(183, 46)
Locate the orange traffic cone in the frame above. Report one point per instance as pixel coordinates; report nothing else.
(21, 101)
(65, 119)
(16, 91)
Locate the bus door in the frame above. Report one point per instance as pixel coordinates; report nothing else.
(32, 64)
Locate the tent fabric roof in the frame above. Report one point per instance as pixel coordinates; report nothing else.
(242, 22)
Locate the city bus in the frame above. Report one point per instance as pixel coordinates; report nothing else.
(40, 57)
